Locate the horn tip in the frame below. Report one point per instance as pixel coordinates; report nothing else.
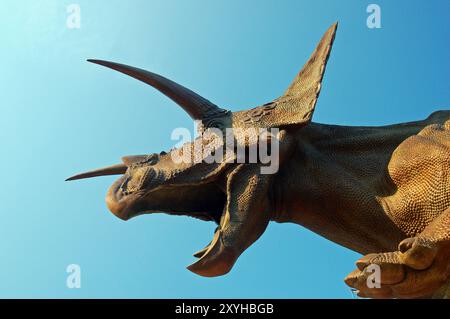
(97, 61)
(333, 27)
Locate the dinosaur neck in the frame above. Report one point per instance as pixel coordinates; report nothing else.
(333, 183)
(360, 150)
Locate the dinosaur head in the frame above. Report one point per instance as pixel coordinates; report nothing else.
(197, 185)
(153, 183)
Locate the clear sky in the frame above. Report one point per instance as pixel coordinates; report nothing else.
(60, 115)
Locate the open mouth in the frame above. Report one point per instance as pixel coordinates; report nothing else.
(126, 200)
(140, 191)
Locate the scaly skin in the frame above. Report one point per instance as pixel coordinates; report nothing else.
(381, 191)
(371, 190)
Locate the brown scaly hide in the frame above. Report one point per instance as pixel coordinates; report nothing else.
(381, 191)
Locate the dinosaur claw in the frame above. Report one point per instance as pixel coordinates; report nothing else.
(406, 244)
(364, 261)
(351, 278)
(419, 269)
(418, 253)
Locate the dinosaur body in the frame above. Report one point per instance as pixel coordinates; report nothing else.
(370, 189)
(341, 182)
(381, 191)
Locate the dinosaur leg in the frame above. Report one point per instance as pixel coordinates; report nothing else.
(419, 269)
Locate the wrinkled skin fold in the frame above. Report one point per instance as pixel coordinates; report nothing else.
(381, 191)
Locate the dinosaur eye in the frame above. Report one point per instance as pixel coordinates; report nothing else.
(153, 159)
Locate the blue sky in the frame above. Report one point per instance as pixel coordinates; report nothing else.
(60, 115)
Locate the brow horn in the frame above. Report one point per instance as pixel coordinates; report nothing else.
(196, 106)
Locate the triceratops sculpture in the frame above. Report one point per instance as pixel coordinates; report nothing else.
(381, 191)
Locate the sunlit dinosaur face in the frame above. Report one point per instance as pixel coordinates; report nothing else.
(154, 183)
(234, 195)
(160, 183)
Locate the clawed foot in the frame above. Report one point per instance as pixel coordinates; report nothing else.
(419, 269)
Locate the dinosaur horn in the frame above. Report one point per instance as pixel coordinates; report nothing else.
(296, 106)
(196, 106)
(305, 88)
(110, 170)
